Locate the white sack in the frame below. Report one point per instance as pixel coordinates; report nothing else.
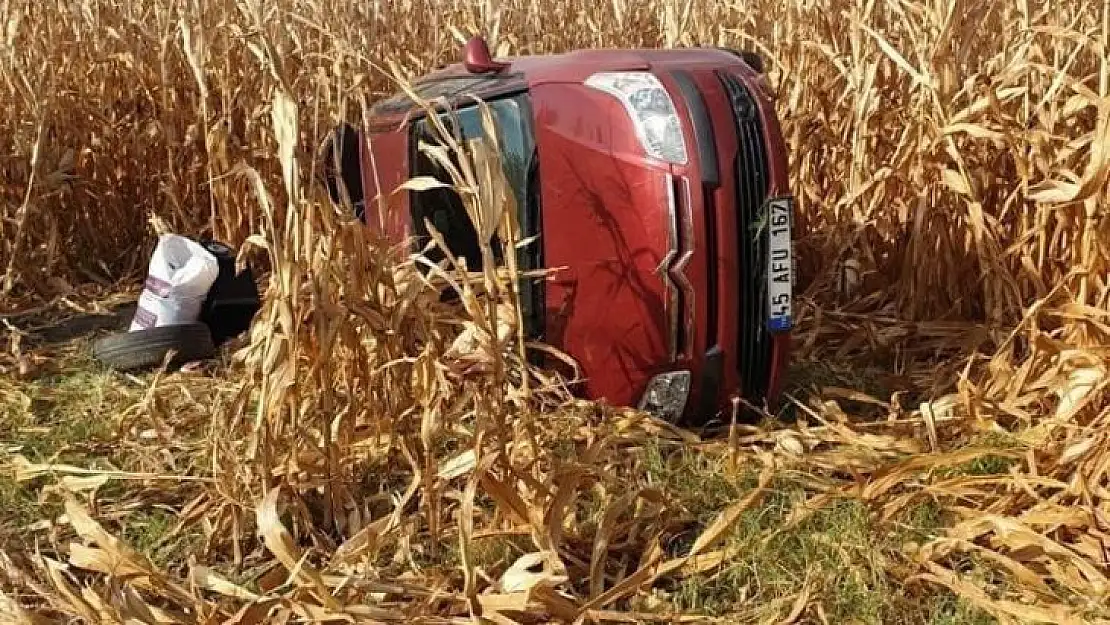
(180, 273)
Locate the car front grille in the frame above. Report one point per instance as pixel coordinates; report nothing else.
(754, 341)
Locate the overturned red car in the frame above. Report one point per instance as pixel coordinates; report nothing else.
(656, 178)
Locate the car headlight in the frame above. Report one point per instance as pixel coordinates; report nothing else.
(666, 395)
(651, 109)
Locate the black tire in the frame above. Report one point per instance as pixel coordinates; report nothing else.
(751, 59)
(144, 349)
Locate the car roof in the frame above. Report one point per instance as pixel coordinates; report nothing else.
(454, 82)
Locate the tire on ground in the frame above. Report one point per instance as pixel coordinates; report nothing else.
(750, 58)
(143, 349)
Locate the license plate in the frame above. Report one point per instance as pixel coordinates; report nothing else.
(780, 269)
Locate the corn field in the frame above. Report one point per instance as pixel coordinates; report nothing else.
(949, 159)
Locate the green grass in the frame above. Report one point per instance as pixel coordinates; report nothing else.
(809, 375)
(695, 479)
(807, 378)
(18, 505)
(951, 610)
(839, 553)
(65, 412)
(833, 551)
(150, 533)
(70, 416)
(64, 417)
(989, 463)
(921, 522)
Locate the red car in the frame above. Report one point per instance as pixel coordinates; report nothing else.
(657, 178)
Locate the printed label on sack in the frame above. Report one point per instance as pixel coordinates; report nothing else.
(144, 318)
(158, 286)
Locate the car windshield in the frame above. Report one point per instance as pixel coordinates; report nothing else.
(444, 209)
